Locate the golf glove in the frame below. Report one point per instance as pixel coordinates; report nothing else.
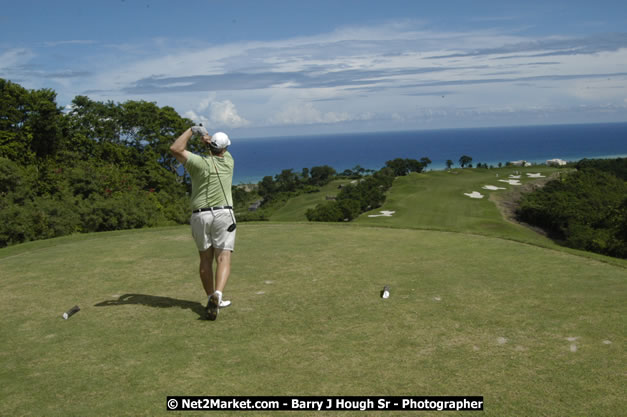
(199, 130)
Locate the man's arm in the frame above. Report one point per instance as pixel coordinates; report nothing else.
(178, 148)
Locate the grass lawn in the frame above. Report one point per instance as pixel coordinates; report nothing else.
(437, 200)
(536, 331)
(294, 210)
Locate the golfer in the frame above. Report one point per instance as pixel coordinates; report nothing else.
(212, 221)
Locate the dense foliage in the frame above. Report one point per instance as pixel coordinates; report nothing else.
(586, 209)
(366, 194)
(100, 166)
(274, 192)
(616, 167)
(402, 167)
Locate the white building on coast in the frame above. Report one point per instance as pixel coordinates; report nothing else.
(556, 162)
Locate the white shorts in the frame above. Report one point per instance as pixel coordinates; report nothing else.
(209, 230)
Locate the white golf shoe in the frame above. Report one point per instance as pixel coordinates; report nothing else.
(214, 304)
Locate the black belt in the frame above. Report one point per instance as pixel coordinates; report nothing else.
(212, 208)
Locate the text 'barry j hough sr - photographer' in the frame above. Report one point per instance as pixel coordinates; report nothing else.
(459, 403)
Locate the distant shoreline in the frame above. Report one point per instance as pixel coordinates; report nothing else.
(255, 159)
(439, 167)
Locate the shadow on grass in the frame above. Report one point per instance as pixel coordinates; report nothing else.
(156, 301)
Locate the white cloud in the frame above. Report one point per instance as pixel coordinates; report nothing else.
(304, 114)
(196, 118)
(204, 103)
(392, 71)
(224, 113)
(70, 42)
(15, 57)
(217, 114)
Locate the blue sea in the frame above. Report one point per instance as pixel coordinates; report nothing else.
(259, 157)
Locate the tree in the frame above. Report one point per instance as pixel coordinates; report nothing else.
(425, 162)
(31, 123)
(14, 140)
(464, 160)
(402, 167)
(367, 194)
(45, 122)
(305, 175)
(586, 209)
(321, 175)
(267, 187)
(449, 164)
(287, 180)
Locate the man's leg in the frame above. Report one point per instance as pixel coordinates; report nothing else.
(223, 268)
(206, 270)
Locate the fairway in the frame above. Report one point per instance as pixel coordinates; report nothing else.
(294, 210)
(536, 331)
(437, 200)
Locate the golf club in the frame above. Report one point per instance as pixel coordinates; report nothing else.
(233, 225)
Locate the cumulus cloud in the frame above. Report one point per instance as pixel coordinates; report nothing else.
(214, 113)
(196, 118)
(224, 113)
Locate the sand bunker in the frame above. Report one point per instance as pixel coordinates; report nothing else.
(537, 175)
(384, 213)
(493, 188)
(514, 176)
(512, 182)
(474, 194)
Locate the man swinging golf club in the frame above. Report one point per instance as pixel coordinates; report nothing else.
(212, 222)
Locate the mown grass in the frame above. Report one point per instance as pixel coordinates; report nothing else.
(295, 209)
(436, 200)
(535, 331)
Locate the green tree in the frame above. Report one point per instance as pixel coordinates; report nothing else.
(267, 187)
(464, 160)
(586, 209)
(402, 167)
(45, 123)
(321, 175)
(31, 123)
(287, 180)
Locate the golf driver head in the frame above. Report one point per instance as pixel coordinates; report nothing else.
(231, 227)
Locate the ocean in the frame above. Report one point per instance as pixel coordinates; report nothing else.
(259, 157)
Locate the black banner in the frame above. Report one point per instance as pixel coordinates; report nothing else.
(208, 403)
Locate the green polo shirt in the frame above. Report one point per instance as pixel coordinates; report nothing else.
(206, 190)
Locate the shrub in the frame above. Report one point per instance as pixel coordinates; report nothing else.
(586, 210)
(352, 200)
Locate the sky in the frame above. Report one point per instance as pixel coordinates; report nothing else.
(279, 68)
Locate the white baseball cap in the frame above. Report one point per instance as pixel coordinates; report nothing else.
(220, 140)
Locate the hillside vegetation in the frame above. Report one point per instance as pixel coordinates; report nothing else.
(586, 209)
